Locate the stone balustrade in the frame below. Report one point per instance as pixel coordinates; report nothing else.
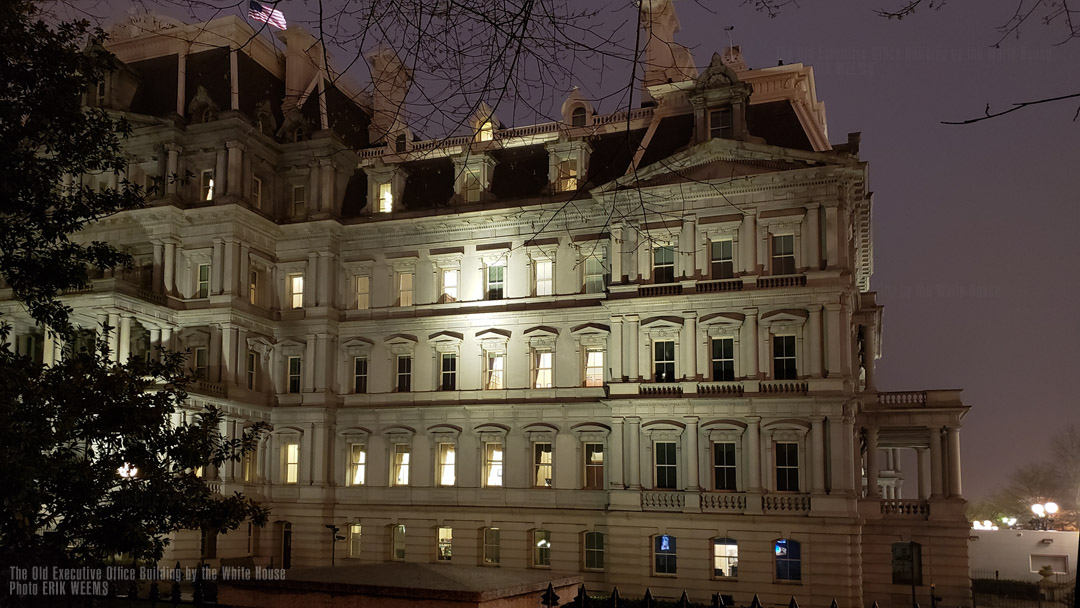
(785, 503)
(787, 280)
(912, 509)
(723, 502)
(662, 501)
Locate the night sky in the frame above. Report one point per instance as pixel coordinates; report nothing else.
(974, 226)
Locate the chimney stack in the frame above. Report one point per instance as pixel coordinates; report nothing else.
(390, 81)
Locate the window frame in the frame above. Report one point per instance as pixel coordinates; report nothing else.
(253, 287)
(490, 463)
(543, 368)
(357, 466)
(403, 377)
(362, 290)
(361, 368)
(670, 555)
(354, 534)
(668, 468)
(787, 560)
(661, 268)
(538, 465)
(206, 185)
(567, 171)
(202, 286)
(591, 279)
(495, 289)
(406, 288)
(541, 548)
(493, 372)
(443, 465)
(593, 550)
(400, 458)
(385, 197)
(445, 288)
(472, 186)
(725, 541)
(252, 372)
(294, 382)
(596, 377)
(296, 297)
(723, 362)
(543, 287)
(720, 267)
(444, 546)
(445, 374)
(298, 201)
(256, 191)
(721, 123)
(790, 447)
(200, 361)
(785, 362)
(657, 361)
(290, 462)
(593, 471)
(781, 259)
(397, 542)
(490, 543)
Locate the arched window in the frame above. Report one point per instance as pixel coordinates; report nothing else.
(788, 556)
(577, 117)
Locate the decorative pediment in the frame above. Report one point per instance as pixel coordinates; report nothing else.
(260, 345)
(491, 431)
(591, 432)
(493, 334)
(661, 323)
(400, 339)
(357, 347)
(718, 74)
(541, 431)
(663, 430)
(722, 318)
(591, 334)
(355, 434)
(791, 316)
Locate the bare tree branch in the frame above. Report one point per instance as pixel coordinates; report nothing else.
(1016, 106)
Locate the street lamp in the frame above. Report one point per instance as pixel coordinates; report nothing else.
(1044, 515)
(128, 471)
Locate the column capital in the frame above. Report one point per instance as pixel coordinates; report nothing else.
(234, 145)
(616, 319)
(692, 419)
(753, 419)
(690, 314)
(633, 318)
(814, 205)
(815, 307)
(325, 162)
(750, 312)
(750, 211)
(817, 419)
(832, 306)
(173, 147)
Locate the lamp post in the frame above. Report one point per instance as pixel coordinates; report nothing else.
(1044, 515)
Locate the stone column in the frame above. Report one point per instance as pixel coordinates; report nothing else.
(48, 356)
(618, 456)
(953, 434)
(687, 249)
(813, 343)
(834, 332)
(616, 254)
(750, 344)
(832, 237)
(169, 270)
(213, 374)
(817, 454)
(221, 170)
(872, 463)
(181, 82)
(124, 350)
(690, 443)
(309, 363)
(323, 283)
(313, 188)
(229, 280)
(245, 274)
(156, 283)
(326, 187)
(228, 354)
(234, 185)
(924, 473)
(155, 344)
(630, 364)
(615, 352)
(812, 238)
(748, 241)
(309, 279)
(753, 453)
(870, 355)
(937, 486)
(172, 163)
(635, 452)
(166, 338)
(217, 267)
(689, 345)
(114, 337)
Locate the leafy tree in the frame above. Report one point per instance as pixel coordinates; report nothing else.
(1065, 448)
(67, 430)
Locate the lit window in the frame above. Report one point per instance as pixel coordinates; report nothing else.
(722, 262)
(203, 290)
(494, 280)
(386, 197)
(784, 361)
(594, 275)
(544, 278)
(256, 192)
(496, 368)
(448, 374)
(787, 466)
(664, 555)
(723, 359)
(248, 466)
(354, 540)
(357, 464)
(299, 200)
(663, 264)
(542, 465)
(445, 544)
(666, 465)
(493, 465)
(664, 360)
(594, 550)
(401, 465)
(360, 373)
(253, 287)
(487, 131)
(720, 125)
(725, 557)
(292, 463)
(447, 464)
(397, 542)
(491, 546)
(577, 117)
(294, 374)
(783, 254)
(363, 293)
(206, 185)
(202, 362)
(541, 548)
(724, 466)
(252, 370)
(594, 466)
(471, 186)
(788, 560)
(450, 285)
(296, 290)
(594, 367)
(568, 174)
(542, 362)
(907, 564)
(404, 373)
(405, 289)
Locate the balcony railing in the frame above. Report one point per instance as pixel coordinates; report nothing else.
(723, 502)
(786, 280)
(796, 503)
(663, 289)
(662, 501)
(721, 285)
(905, 398)
(721, 388)
(913, 509)
(785, 387)
(212, 389)
(661, 389)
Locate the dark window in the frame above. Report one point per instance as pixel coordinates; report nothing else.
(724, 466)
(784, 358)
(788, 560)
(449, 372)
(360, 373)
(720, 125)
(664, 265)
(664, 360)
(399, 144)
(577, 117)
(666, 467)
(907, 563)
(594, 550)
(594, 466)
(783, 254)
(294, 374)
(723, 359)
(664, 552)
(787, 467)
(722, 263)
(404, 374)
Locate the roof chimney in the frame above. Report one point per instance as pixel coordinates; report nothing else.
(390, 81)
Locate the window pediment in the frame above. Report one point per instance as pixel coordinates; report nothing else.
(358, 347)
(446, 341)
(399, 434)
(663, 430)
(356, 434)
(401, 344)
(444, 433)
(542, 336)
(491, 432)
(493, 340)
(591, 432)
(541, 431)
(785, 317)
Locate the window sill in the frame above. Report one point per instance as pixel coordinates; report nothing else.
(779, 581)
(664, 575)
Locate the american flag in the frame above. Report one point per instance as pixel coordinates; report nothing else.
(266, 14)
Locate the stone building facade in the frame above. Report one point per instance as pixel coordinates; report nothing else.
(637, 346)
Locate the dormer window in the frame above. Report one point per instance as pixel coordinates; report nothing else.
(568, 175)
(486, 131)
(471, 188)
(720, 124)
(399, 144)
(386, 197)
(577, 118)
(206, 186)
